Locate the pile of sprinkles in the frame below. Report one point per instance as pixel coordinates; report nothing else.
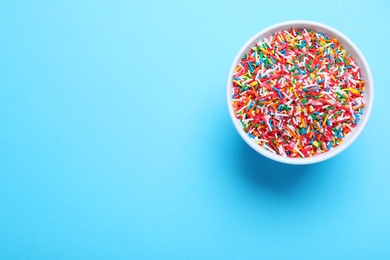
(298, 93)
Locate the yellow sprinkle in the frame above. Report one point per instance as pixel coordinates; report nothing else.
(295, 93)
(238, 83)
(326, 118)
(352, 90)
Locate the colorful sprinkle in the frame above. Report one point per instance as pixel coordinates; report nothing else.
(298, 93)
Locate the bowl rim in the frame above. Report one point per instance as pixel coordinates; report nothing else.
(356, 131)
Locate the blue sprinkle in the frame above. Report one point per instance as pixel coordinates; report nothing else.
(250, 66)
(323, 35)
(330, 145)
(257, 62)
(356, 120)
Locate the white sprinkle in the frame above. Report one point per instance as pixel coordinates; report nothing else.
(350, 109)
(258, 74)
(291, 127)
(286, 32)
(245, 121)
(269, 149)
(297, 113)
(270, 128)
(278, 114)
(281, 150)
(287, 96)
(308, 86)
(299, 152)
(280, 53)
(238, 111)
(265, 39)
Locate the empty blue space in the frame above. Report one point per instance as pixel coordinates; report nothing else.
(116, 142)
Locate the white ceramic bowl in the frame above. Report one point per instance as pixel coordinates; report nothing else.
(355, 54)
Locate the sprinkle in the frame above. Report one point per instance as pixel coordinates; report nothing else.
(298, 93)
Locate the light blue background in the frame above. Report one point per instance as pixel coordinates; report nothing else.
(116, 143)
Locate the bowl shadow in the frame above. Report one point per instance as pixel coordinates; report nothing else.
(275, 177)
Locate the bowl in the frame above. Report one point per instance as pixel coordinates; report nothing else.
(354, 52)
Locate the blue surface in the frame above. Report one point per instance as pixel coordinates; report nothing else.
(116, 143)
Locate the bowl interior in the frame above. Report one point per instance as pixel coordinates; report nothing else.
(355, 53)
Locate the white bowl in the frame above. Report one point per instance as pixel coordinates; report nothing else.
(350, 48)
